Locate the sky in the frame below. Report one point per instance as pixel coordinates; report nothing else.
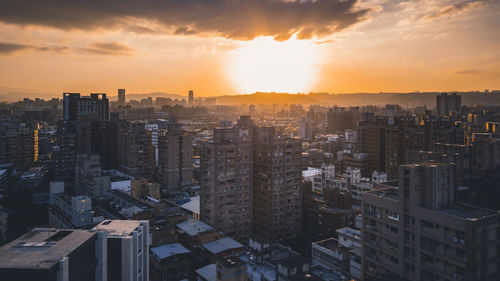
(223, 47)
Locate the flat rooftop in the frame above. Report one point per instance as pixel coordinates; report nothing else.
(350, 232)
(231, 261)
(208, 272)
(256, 271)
(331, 244)
(385, 192)
(194, 227)
(118, 227)
(469, 212)
(221, 245)
(169, 250)
(35, 250)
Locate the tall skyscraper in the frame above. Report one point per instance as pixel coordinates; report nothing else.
(448, 104)
(191, 98)
(121, 96)
(419, 232)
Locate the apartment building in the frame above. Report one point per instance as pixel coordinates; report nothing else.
(413, 229)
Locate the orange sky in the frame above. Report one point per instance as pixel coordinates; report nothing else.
(354, 46)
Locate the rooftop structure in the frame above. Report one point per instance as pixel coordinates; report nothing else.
(222, 245)
(169, 250)
(194, 227)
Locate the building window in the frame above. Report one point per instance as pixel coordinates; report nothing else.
(393, 215)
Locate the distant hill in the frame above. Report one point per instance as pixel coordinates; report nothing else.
(139, 96)
(356, 99)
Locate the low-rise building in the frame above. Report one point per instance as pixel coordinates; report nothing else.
(171, 262)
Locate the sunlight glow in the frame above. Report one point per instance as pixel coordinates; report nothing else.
(266, 65)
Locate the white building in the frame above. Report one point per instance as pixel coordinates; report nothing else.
(351, 239)
(153, 128)
(127, 249)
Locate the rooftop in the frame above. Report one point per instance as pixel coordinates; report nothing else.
(193, 205)
(231, 261)
(119, 227)
(41, 248)
(208, 272)
(350, 232)
(385, 192)
(469, 212)
(194, 227)
(331, 244)
(221, 245)
(310, 172)
(169, 250)
(255, 271)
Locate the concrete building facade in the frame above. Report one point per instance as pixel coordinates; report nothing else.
(413, 229)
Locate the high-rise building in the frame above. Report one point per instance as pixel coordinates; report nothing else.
(277, 192)
(137, 155)
(448, 104)
(486, 155)
(89, 179)
(340, 119)
(247, 174)
(175, 157)
(127, 249)
(305, 128)
(226, 200)
(121, 96)
(93, 107)
(153, 128)
(19, 145)
(371, 140)
(191, 98)
(420, 232)
(55, 255)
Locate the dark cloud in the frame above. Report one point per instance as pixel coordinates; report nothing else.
(238, 19)
(109, 49)
(13, 48)
(140, 29)
(455, 9)
(468, 71)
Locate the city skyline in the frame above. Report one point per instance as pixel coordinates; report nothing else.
(282, 46)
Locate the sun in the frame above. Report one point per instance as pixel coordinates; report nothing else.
(265, 65)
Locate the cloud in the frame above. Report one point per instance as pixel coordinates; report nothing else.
(139, 29)
(468, 71)
(109, 49)
(237, 19)
(7, 49)
(455, 9)
(11, 48)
